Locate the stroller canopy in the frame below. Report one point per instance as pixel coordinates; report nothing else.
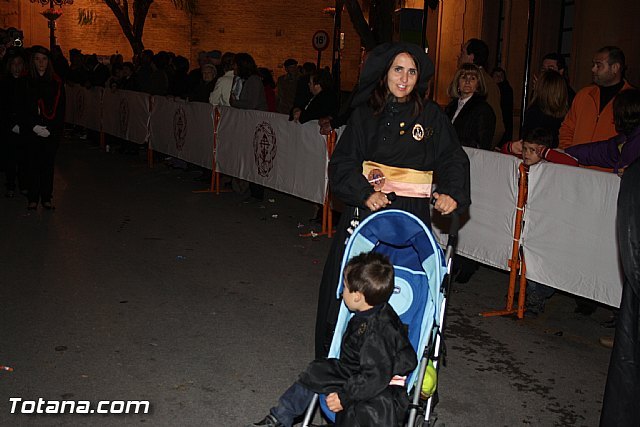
(419, 271)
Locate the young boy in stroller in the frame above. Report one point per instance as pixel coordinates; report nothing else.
(365, 386)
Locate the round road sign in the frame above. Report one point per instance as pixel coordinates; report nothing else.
(320, 40)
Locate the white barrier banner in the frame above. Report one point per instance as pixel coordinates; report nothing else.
(487, 230)
(569, 236)
(183, 130)
(268, 149)
(87, 105)
(125, 115)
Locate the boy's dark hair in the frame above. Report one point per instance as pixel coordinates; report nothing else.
(539, 136)
(626, 111)
(372, 274)
(479, 50)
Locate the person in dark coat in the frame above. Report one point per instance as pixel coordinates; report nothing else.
(548, 106)
(620, 404)
(42, 120)
(12, 144)
(303, 93)
(475, 123)
(506, 102)
(471, 115)
(392, 132)
(324, 101)
(375, 348)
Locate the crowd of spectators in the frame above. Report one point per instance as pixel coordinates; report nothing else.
(481, 107)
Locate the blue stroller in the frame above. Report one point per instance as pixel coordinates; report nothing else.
(419, 297)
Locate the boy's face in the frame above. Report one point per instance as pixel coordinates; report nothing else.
(531, 153)
(351, 299)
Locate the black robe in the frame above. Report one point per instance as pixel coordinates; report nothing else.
(387, 139)
(621, 406)
(475, 123)
(374, 349)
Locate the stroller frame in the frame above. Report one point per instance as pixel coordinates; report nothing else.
(432, 350)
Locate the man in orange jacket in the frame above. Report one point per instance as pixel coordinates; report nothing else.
(591, 115)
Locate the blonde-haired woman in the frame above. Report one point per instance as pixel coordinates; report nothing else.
(472, 117)
(474, 122)
(549, 104)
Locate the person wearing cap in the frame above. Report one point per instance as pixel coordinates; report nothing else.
(395, 142)
(286, 87)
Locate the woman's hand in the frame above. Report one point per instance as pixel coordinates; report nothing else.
(376, 201)
(445, 204)
(333, 402)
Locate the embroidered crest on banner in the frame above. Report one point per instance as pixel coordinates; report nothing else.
(180, 128)
(417, 132)
(264, 148)
(124, 116)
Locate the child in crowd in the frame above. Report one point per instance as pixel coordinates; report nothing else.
(536, 147)
(375, 350)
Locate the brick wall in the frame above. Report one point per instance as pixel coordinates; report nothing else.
(270, 31)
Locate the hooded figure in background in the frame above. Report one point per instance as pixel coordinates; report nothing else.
(622, 393)
(395, 141)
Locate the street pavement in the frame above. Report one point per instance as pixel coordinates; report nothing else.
(138, 288)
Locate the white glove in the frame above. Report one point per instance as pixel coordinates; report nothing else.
(41, 131)
(16, 129)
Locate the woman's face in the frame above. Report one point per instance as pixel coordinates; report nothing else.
(314, 87)
(467, 85)
(402, 76)
(41, 61)
(17, 67)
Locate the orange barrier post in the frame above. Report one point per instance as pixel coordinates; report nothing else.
(327, 213)
(516, 262)
(214, 185)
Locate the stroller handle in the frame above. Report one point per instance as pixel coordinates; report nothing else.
(454, 226)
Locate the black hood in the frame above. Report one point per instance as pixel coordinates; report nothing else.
(376, 61)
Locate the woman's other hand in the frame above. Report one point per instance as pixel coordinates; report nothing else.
(445, 204)
(333, 402)
(377, 201)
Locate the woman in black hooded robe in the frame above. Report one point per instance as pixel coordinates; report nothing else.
(392, 126)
